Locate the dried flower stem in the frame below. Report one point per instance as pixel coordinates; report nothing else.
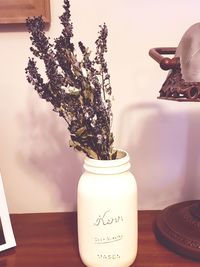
(79, 91)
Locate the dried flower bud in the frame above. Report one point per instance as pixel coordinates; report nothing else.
(79, 91)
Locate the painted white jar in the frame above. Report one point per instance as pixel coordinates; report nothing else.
(107, 213)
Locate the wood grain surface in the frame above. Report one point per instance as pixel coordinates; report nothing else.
(50, 240)
(16, 11)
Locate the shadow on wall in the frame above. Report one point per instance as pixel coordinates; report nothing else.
(17, 27)
(45, 151)
(164, 148)
(191, 186)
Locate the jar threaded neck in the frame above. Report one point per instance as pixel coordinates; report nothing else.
(119, 165)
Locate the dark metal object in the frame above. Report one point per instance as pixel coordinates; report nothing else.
(178, 227)
(174, 87)
(165, 62)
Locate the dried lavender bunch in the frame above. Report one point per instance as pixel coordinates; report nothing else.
(79, 91)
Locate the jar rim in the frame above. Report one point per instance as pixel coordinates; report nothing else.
(122, 158)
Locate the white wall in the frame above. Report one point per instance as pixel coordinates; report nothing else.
(40, 172)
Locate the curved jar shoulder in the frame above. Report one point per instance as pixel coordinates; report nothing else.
(107, 213)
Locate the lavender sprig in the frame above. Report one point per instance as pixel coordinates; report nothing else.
(79, 91)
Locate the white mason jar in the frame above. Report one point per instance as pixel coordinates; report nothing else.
(107, 213)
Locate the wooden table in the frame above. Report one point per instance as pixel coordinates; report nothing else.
(50, 240)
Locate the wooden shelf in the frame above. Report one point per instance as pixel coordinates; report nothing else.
(50, 239)
(17, 11)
